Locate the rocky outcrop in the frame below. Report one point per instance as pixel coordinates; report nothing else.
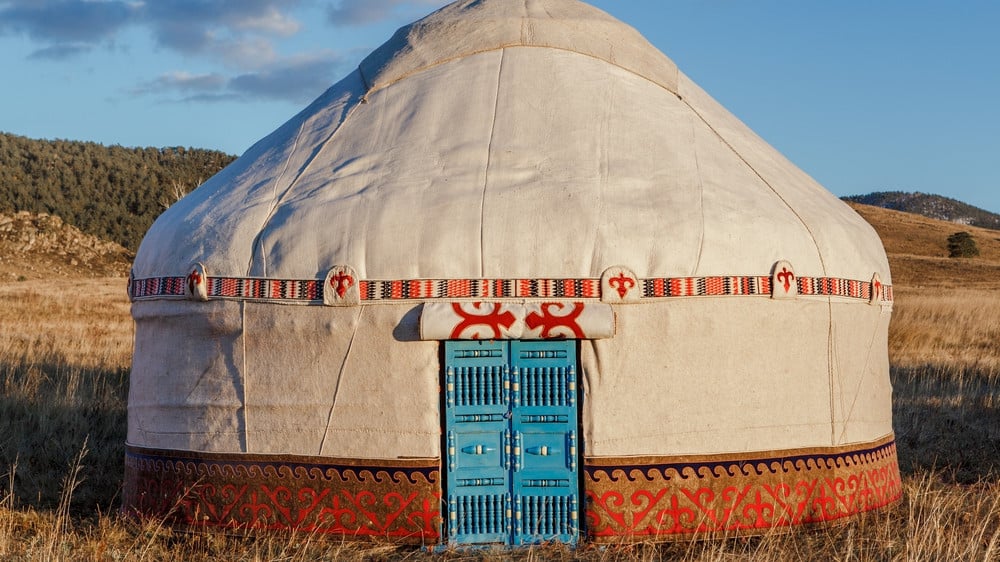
(34, 245)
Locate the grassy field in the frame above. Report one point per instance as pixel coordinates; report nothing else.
(65, 349)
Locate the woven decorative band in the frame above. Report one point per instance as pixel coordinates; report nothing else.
(400, 499)
(628, 499)
(728, 495)
(830, 286)
(312, 290)
(705, 286)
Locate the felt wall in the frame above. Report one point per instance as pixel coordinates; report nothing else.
(695, 376)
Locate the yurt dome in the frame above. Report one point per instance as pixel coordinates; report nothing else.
(514, 279)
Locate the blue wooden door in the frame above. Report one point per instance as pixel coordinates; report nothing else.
(510, 426)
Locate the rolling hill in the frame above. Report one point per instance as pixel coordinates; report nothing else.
(918, 250)
(930, 206)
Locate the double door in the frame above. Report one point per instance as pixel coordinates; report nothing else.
(511, 439)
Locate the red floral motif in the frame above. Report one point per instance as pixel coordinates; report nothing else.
(622, 284)
(490, 318)
(786, 277)
(341, 282)
(193, 279)
(554, 325)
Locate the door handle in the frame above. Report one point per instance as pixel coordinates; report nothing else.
(542, 451)
(477, 450)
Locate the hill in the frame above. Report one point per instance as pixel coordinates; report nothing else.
(930, 206)
(111, 192)
(918, 250)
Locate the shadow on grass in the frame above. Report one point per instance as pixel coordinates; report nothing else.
(48, 411)
(947, 420)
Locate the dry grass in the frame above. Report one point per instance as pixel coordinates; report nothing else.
(64, 354)
(959, 329)
(72, 322)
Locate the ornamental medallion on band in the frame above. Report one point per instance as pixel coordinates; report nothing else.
(784, 282)
(340, 287)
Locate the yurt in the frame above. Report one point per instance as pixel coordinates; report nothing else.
(515, 279)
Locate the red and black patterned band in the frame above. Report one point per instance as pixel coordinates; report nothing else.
(311, 290)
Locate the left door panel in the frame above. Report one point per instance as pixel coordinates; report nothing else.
(477, 380)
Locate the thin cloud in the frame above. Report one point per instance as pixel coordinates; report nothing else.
(210, 98)
(66, 21)
(237, 31)
(61, 51)
(183, 82)
(360, 12)
(296, 79)
(230, 27)
(271, 21)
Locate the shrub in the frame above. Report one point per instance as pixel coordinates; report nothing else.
(962, 245)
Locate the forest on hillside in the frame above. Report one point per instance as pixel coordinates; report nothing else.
(930, 206)
(113, 192)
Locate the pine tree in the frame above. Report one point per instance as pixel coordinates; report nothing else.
(962, 245)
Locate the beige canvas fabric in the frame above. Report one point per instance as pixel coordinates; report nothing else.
(465, 28)
(213, 377)
(511, 139)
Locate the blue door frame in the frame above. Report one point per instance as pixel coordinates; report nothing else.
(511, 437)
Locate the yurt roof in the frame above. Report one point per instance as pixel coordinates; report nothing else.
(462, 29)
(512, 138)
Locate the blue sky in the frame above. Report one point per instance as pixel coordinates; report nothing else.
(865, 96)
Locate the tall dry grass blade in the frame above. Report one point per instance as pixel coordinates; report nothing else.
(7, 512)
(8, 500)
(62, 523)
(155, 527)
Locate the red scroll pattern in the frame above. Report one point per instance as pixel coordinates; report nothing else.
(664, 501)
(265, 492)
(556, 320)
(483, 320)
